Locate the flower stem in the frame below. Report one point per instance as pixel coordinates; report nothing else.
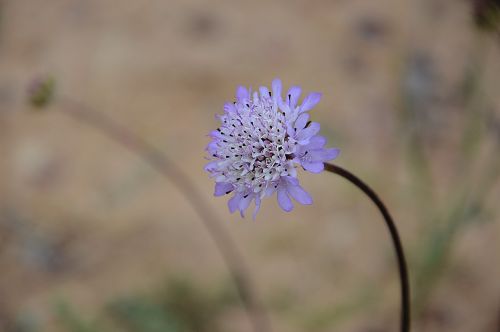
(398, 247)
(159, 161)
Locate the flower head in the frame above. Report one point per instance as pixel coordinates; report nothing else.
(261, 141)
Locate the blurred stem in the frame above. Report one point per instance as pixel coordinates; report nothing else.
(159, 161)
(398, 247)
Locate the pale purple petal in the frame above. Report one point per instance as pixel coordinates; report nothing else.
(316, 142)
(310, 101)
(290, 180)
(211, 166)
(212, 148)
(276, 86)
(222, 188)
(301, 121)
(307, 133)
(242, 94)
(299, 194)
(229, 108)
(284, 201)
(234, 202)
(293, 95)
(216, 134)
(244, 203)
(313, 167)
(323, 154)
(270, 190)
(257, 207)
(264, 92)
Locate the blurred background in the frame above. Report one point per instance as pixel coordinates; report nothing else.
(93, 239)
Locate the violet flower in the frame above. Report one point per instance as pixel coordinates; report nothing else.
(260, 143)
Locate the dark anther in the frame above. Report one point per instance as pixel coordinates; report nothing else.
(248, 105)
(228, 192)
(238, 179)
(280, 148)
(289, 97)
(308, 123)
(270, 94)
(218, 129)
(224, 141)
(245, 196)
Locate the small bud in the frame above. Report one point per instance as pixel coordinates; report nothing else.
(41, 91)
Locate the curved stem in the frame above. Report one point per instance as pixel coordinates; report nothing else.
(403, 271)
(159, 161)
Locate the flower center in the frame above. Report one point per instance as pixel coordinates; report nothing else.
(255, 149)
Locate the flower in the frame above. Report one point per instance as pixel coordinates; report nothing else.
(261, 141)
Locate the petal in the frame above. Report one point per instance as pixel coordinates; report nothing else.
(276, 86)
(257, 207)
(310, 101)
(242, 94)
(301, 121)
(299, 194)
(264, 92)
(270, 190)
(323, 154)
(313, 167)
(291, 180)
(229, 108)
(316, 142)
(216, 134)
(307, 133)
(212, 148)
(211, 166)
(223, 188)
(293, 95)
(283, 200)
(234, 202)
(244, 203)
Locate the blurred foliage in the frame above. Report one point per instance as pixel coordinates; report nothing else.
(180, 306)
(329, 317)
(487, 14)
(444, 220)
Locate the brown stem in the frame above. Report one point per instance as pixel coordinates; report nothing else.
(159, 161)
(403, 271)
